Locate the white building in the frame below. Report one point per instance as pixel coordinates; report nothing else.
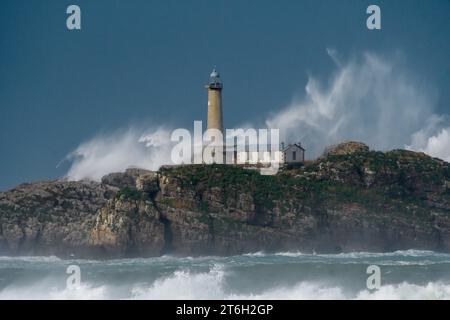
(293, 154)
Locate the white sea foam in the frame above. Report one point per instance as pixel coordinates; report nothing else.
(219, 278)
(31, 258)
(211, 285)
(45, 290)
(317, 291)
(407, 291)
(359, 254)
(184, 284)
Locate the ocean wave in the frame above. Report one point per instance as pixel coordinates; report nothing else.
(184, 285)
(283, 254)
(212, 284)
(48, 290)
(316, 291)
(398, 253)
(45, 259)
(250, 276)
(356, 254)
(408, 291)
(353, 254)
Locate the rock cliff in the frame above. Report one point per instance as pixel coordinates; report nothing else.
(349, 199)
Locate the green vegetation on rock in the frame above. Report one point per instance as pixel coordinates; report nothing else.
(351, 198)
(128, 193)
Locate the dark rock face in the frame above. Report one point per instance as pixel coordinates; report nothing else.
(349, 199)
(52, 217)
(128, 228)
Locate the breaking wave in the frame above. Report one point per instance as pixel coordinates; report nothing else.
(410, 274)
(211, 285)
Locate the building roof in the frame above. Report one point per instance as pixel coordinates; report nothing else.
(298, 145)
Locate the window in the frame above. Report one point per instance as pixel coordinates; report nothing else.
(294, 155)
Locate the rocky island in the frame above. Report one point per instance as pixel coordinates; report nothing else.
(349, 199)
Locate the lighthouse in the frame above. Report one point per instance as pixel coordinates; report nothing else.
(215, 114)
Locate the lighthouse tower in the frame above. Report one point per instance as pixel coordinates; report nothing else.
(215, 115)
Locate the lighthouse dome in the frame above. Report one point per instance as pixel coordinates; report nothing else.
(214, 80)
(215, 74)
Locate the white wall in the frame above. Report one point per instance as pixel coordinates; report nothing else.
(289, 155)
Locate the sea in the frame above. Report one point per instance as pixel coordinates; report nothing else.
(409, 274)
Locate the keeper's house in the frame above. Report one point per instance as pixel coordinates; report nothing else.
(290, 155)
(293, 154)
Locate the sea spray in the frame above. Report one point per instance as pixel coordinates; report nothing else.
(408, 274)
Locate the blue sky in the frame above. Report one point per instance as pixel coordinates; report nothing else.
(145, 62)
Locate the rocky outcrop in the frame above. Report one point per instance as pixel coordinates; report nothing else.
(126, 227)
(351, 198)
(345, 148)
(125, 179)
(52, 217)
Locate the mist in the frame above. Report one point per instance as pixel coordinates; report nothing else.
(118, 151)
(369, 98)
